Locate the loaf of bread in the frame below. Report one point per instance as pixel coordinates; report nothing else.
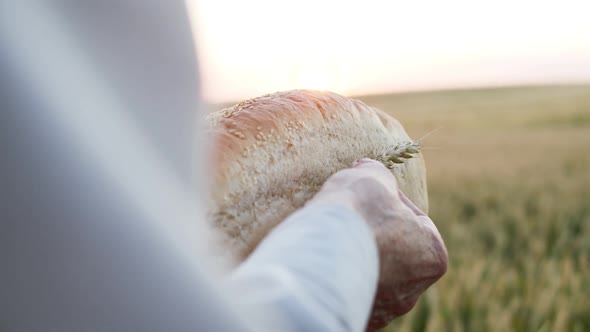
(274, 152)
(271, 154)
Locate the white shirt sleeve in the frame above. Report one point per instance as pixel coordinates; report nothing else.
(318, 269)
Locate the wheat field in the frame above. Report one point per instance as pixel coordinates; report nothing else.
(509, 186)
(509, 189)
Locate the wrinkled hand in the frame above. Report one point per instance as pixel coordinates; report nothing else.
(412, 254)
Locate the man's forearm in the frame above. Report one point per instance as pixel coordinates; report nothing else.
(318, 269)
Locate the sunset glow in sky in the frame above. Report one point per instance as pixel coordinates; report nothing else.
(249, 48)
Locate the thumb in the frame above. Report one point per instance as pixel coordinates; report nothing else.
(364, 162)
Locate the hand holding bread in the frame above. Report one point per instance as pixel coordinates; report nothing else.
(272, 154)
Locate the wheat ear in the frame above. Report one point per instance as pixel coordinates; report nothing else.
(399, 153)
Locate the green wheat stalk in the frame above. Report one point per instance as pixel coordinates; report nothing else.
(399, 153)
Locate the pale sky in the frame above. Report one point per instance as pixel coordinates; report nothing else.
(249, 48)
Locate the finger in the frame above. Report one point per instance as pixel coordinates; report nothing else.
(364, 161)
(411, 205)
(372, 166)
(420, 216)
